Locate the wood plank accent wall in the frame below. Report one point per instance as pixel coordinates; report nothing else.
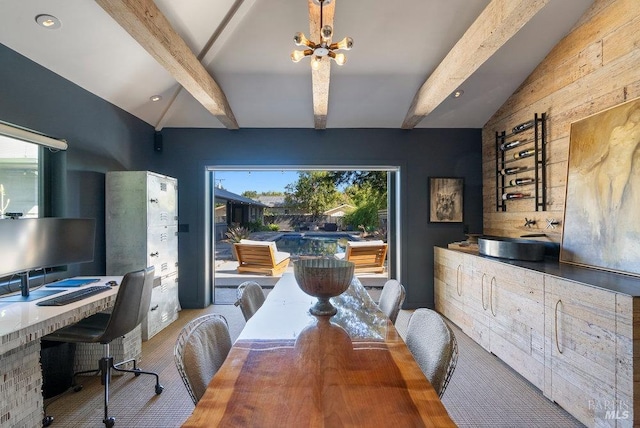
(595, 67)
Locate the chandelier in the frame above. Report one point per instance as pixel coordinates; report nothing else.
(324, 47)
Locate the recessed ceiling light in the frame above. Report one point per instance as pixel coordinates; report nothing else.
(49, 22)
(457, 94)
(155, 98)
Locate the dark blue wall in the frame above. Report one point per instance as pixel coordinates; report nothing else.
(102, 137)
(420, 153)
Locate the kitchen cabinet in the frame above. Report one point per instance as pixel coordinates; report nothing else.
(627, 404)
(574, 340)
(516, 306)
(142, 230)
(477, 300)
(501, 307)
(581, 355)
(451, 280)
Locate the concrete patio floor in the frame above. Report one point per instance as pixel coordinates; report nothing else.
(226, 278)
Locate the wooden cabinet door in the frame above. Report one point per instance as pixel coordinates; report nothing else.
(477, 303)
(516, 307)
(581, 356)
(627, 373)
(449, 279)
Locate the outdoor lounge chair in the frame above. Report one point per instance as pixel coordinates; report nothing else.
(260, 257)
(368, 256)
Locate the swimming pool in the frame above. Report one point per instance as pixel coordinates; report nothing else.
(313, 243)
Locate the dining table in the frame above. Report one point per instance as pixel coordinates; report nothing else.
(289, 368)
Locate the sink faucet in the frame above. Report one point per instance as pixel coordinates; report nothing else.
(552, 223)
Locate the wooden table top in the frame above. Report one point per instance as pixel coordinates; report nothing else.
(289, 368)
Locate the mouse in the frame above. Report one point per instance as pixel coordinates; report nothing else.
(112, 283)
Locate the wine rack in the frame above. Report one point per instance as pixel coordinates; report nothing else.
(521, 164)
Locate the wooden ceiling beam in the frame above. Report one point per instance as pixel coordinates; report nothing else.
(151, 29)
(497, 23)
(321, 77)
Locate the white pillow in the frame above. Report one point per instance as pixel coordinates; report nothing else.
(271, 244)
(281, 256)
(364, 243)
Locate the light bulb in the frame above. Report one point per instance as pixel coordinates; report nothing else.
(346, 44)
(300, 40)
(315, 62)
(296, 56)
(326, 32)
(340, 58)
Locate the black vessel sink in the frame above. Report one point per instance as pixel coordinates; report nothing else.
(512, 248)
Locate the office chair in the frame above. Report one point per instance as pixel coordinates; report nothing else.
(131, 306)
(391, 299)
(201, 348)
(434, 346)
(250, 298)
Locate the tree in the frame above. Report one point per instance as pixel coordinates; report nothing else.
(376, 181)
(368, 202)
(251, 194)
(312, 193)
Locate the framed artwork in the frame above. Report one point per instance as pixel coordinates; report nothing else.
(445, 199)
(601, 227)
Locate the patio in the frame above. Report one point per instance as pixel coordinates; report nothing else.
(227, 279)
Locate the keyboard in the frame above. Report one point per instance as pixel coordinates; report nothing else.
(74, 296)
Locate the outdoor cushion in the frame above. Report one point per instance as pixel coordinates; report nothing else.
(252, 242)
(364, 243)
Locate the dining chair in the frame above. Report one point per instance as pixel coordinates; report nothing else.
(434, 346)
(201, 348)
(391, 299)
(250, 297)
(131, 306)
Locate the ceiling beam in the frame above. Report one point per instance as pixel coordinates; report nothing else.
(151, 29)
(497, 23)
(229, 22)
(320, 78)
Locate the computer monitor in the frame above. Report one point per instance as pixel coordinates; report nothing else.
(36, 243)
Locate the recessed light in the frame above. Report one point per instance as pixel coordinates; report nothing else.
(155, 98)
(49, 22)
(457, 94)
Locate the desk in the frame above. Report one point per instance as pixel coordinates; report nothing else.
(22, 325)
(289, 368)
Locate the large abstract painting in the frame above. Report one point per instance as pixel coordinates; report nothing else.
(602, 210)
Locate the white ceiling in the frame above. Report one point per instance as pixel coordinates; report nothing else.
(397, 45)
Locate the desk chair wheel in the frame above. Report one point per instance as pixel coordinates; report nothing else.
(109, 422)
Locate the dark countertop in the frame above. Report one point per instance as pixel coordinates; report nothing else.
(616, 282)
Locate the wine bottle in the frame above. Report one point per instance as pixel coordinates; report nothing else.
(517, 195)
(524, 154)
(513, 170)
(511, 144)
(523, 126)
(521, 181)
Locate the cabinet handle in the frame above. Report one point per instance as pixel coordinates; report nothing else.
(484, 308)
(493, 281)
(153, 200)
(154, 254)
(458, 289)
(559, 302)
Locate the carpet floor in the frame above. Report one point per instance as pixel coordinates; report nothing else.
(483, 392)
